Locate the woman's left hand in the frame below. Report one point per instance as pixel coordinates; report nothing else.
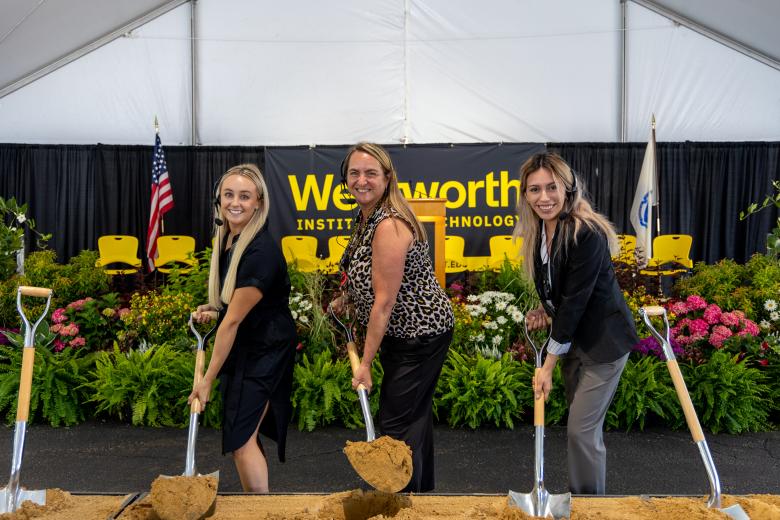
(542, 383)
(362, 375)
(202, 392)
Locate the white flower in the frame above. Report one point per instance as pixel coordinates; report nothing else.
(294, 314)
(770, 305)
(471, 298)
(500, 305)
(497, 340)
(21, 218)
(765, 324)
(303, 319)
(517, 316)
(480, 338)
(501, 320)
(490, 325)
(511, 309)
(774, 315)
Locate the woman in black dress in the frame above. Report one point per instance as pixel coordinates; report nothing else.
(254, 348)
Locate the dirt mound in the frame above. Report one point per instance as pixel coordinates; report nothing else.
(385, 463)
(184, 498)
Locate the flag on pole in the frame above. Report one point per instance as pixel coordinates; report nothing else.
(644, 199)
(162, 200)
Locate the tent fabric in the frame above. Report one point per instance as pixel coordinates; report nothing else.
(400, 71)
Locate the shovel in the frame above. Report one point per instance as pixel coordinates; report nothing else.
(691, 418)
(539, 502)
(12, 496)
(196, 509)
(384, 463)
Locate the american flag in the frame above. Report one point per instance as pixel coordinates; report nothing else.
(162, 200)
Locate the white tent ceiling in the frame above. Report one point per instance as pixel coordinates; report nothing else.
(387, 70)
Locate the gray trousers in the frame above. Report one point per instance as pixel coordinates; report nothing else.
(590, 387)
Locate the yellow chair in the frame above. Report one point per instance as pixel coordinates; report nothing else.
(505, 247)
(301, 251)
(336, 247)
(627, 249)
(671, 255)
(173, 250)
(118, 249)
(454, 246)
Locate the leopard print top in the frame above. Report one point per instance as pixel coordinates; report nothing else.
(421, 307)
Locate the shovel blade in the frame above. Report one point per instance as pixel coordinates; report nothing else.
(542, 504)
(735, 512)
(9, 504)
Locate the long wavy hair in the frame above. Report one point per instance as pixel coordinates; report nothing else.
(576, 211)
(392, 197)
(222, 296)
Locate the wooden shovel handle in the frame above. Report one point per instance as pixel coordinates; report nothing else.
(685, 400)
(200, 362)
(39, 292)
(25, 384)
(538, 403)
(653, 310)
(354, 361)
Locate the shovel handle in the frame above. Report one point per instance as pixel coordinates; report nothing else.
(538, 403)
(38, 292)
(200, 362)
(653, 310)
(25, 384)
(354, 361)
(685, 400)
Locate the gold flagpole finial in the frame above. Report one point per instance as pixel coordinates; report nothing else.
(652, 122)
(156, 126)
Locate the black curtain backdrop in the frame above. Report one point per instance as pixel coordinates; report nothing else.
(79, 193)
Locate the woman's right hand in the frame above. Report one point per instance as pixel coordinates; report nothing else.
(537, 319)
(337, 305)
(204, 314)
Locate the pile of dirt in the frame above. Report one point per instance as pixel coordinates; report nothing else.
(184, 498)
(385, 463)
(360, 505)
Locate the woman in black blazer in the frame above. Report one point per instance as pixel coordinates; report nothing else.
(592, 328)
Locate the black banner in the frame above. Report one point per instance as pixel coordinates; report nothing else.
(479, 181)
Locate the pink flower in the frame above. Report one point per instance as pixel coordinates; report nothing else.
(58, 345)
(699, 327)
(749, 328)
(763, 362)
(712, 314)
(679, 308)
(124, 312)
(59, 316)
(77, 342)
(719, 335)
(695, 303)
(55, 328)
(730, 319)
(71, 329)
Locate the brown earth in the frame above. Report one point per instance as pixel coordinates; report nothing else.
(385, 463)
(183, 498)
(360, 505)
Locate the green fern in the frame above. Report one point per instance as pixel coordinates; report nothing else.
(473, 391)
(645, 390)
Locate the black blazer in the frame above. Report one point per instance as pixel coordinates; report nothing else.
(589, 308)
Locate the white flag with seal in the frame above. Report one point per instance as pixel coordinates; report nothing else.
(641, 209)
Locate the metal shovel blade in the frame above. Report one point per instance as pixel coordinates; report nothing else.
(735, 512)
(542, 504)
(10, 503)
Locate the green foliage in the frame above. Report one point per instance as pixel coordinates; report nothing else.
(195, 283)
(157, 318)
(732, 286)
(57, 396)
(77, 279)
(91, 323)
(509, 278)
(773, 238)
(13, 223)
(318, 333)
(473, 390)
(322, 392)
(729, 396)
(148, 387)
(645, 391)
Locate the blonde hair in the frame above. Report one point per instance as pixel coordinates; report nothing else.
(576, 210)
(219, 297)
(392, 198)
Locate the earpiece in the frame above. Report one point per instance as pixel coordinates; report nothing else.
(570, 194)
(217, 202)
(344, 170)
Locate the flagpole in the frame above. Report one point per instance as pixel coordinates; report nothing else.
(657, 192)
(162, 217)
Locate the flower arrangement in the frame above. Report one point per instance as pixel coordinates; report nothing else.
(87, 322)
(489, 322)
(699, 325)
(156, 318)
(301, 308)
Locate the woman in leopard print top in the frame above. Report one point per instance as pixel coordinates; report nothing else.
(407, 317)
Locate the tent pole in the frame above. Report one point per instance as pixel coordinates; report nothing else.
(623, 68)
(193, 73)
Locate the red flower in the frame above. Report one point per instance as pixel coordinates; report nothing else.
(763, 362)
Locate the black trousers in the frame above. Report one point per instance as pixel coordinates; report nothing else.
(411, 370)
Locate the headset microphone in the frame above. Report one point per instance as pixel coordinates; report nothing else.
(570, 194)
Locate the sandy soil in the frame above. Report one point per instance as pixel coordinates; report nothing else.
(385, 463)
(359, 505)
